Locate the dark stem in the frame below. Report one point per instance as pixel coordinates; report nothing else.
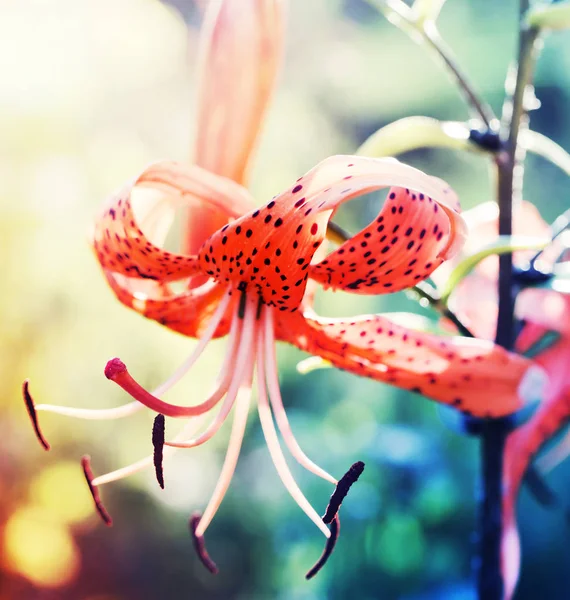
(478, 107)
(489, 580)
(494, 431)
(430, 295)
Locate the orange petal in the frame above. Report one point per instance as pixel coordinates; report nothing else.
(135, 222)
(242, 44)
(544, 307)
(473, 375)
(474, 301)
(187, 312)
(524, 443)
(271, 248)
(402, 246)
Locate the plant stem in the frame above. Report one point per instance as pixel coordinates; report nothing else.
(441, 307)
(477, 105)
(494, 431)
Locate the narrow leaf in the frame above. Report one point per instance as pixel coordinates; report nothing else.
(549, 16)
(411, 133)
(504, 244)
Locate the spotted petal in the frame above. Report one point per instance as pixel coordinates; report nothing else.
(271, 248)
(127, 241)
(473, 375)
(187, 312)
(135, 222)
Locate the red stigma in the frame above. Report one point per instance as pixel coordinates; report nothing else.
(114, 368)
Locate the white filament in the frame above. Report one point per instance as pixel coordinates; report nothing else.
(277, 403)
(241, 366)
(273, 444)
(102, 414)
(240, 419)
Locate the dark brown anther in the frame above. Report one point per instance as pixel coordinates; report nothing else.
(86, 464)
(260, 304)
(242, 302)
(33, 414)
(200, 545)
(342, 487)
(329, 547)
(158, 445)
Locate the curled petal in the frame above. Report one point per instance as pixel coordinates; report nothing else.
(187, 312)
(403, 245)
(475, 376)
(275, 245)
(136, 220)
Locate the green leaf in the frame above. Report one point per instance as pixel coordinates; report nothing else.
(411, 133)
(427, 10)
(504, 244)
(543, 146)
(549, 16)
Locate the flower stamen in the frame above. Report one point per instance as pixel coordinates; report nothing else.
(277, 404)
(244, 377)
(200, 545)
(272, 441)
(158, 446)
(342, 488)
(116, 371)
(328, 550)
(244, 359)
(147, 461)
(86, 464)
(103, 414)
(33, 414)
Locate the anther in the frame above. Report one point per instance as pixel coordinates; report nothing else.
(260, 304)
(242, 301)
(86, 464)
(200, 546)
(158, 445)
(329, 547)
(33, 414)
(341, 490)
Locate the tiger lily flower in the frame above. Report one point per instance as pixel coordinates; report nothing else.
(257, 268)
(542, 311)
(250, 273)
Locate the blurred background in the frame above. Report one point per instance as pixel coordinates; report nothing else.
(90, 92)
